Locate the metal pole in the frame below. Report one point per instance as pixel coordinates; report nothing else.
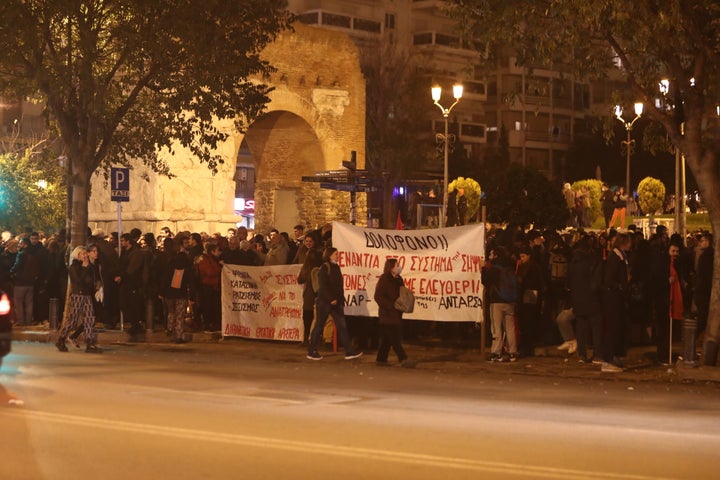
(689, 328)
(445, 176)
(119, 214)
(677, 190)
(627, 165)
(670, 344)
(683, 215)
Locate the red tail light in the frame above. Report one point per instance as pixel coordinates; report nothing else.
(4, 304)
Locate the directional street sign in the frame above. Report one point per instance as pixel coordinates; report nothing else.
(120, 184)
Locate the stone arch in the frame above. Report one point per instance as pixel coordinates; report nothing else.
(315, 118)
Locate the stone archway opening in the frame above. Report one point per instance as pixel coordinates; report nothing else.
(276, 151)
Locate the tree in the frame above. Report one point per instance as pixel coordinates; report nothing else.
(524, 196)
(124, 79)
(651, 193)
(32, 192)
(394, 118)
(594, 188)
(630, 39)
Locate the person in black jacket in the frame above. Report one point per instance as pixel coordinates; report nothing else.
(584, 279)
(387, 291)
(82, 289)
(703, 281)
(177, 288)
(615, 294)
(498, 277)
(312, 259)
(331, 301)
(531, 285)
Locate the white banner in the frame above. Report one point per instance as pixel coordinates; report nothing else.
(441, 266)
(262, 302)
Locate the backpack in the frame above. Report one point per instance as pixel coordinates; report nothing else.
(558, 266)
(507, 285)
(405, 301)
(315, 279)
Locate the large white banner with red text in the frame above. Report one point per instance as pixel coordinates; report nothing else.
(262, 302)
(441, 266)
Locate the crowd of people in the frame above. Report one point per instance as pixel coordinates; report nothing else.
(589, 291)
(178, 272)
(595, 289)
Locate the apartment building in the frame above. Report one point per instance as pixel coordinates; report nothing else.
(542, 112)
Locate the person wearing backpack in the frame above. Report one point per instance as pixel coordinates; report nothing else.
(331, 301)
(177, 288)
(387, 292)
(498, 277)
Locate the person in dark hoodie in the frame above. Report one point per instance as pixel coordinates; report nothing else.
(331, 301)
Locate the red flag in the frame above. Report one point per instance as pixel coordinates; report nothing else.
(399, 224)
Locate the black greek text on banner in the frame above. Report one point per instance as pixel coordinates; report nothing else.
(262, 302)
(441, 266)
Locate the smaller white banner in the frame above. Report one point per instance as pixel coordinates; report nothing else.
(262, 302)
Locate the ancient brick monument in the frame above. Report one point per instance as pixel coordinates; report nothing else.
(315, 118)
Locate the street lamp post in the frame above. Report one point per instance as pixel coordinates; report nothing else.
(436, 94)
(628, 142)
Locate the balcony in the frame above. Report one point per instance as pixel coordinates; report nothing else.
(470, 132)
(442, 42)
(346, 22)
(429, 5)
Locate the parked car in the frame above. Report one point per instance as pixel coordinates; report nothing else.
(5, 325)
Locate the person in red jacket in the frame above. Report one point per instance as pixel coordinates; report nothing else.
(209, 270)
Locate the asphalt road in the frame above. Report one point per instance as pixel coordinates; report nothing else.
(254, 411)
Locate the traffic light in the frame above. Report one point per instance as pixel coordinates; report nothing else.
(352, 163)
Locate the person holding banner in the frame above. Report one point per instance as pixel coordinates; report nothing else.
(312, 258)
(331, 301)
(387, 291)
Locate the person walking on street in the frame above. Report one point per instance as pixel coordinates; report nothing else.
(387, 291)
(331, 301)
(82, 289)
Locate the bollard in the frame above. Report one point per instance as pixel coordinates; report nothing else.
(149, 313)
(53, 313)
(711, 352)
(689, 328)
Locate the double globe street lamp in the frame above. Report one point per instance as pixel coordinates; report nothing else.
(445, 138)
(628, 142)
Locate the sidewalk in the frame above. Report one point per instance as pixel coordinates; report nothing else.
(547, 362)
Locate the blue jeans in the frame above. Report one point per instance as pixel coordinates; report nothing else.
(324, 309)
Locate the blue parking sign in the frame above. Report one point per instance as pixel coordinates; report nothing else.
(120, 184)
